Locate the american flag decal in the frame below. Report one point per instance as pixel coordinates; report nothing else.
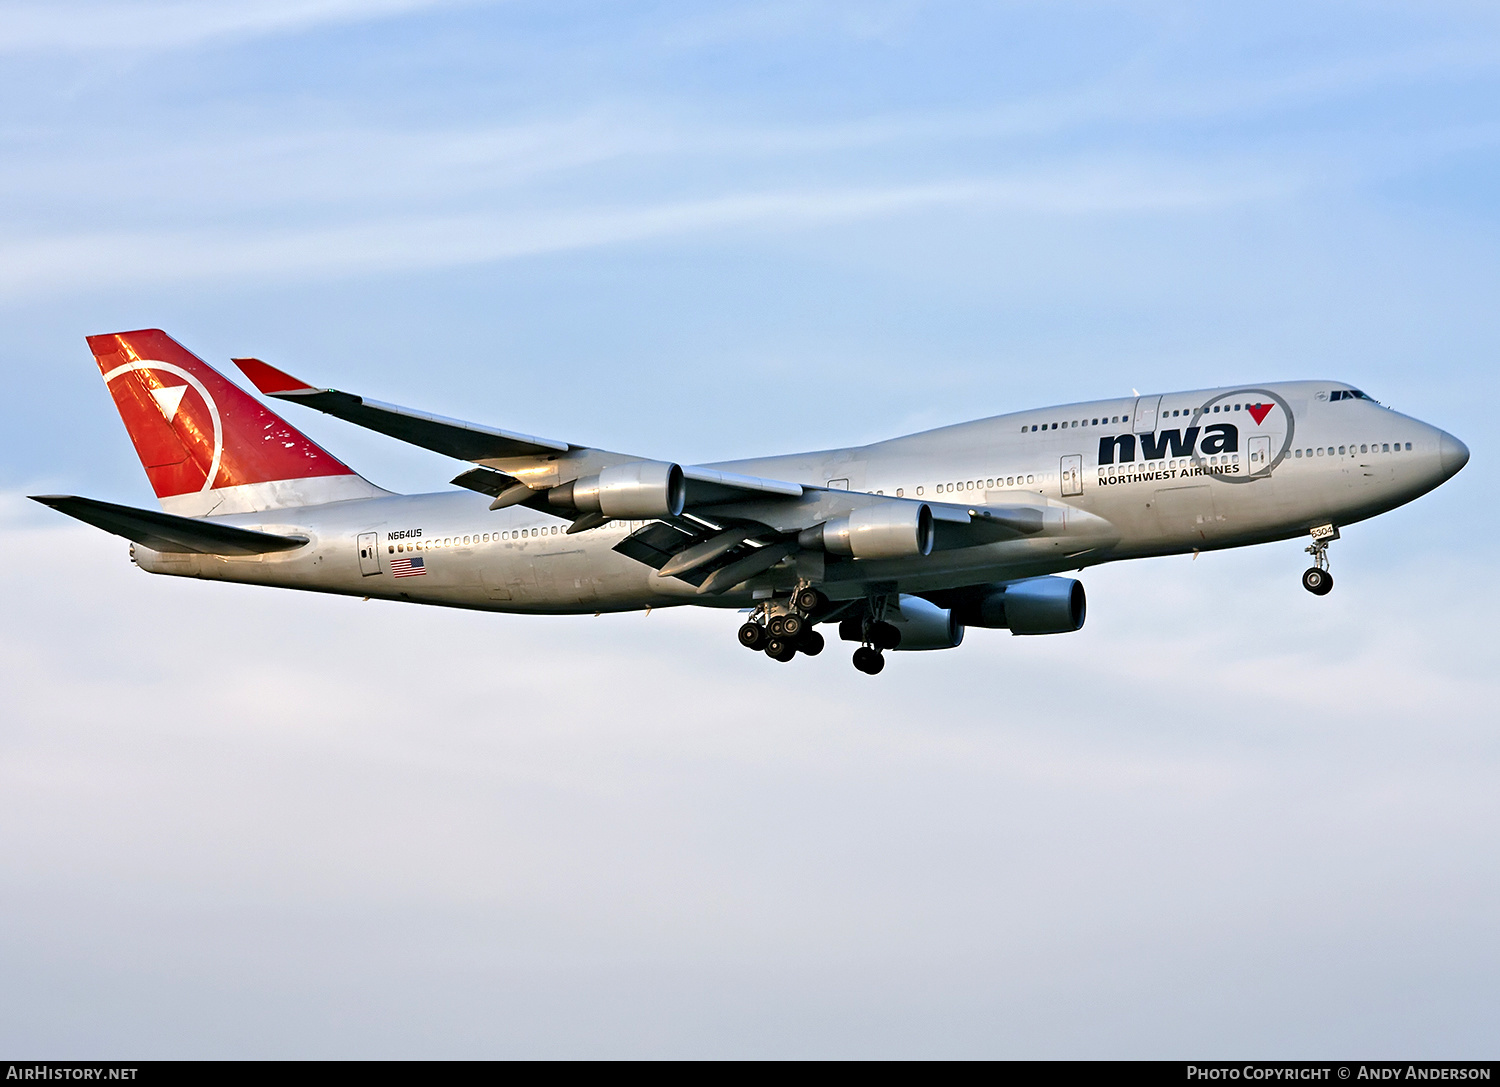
(411, 567)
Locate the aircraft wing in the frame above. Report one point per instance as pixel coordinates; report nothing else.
(507, 457)
(451, 437)
(167, 532)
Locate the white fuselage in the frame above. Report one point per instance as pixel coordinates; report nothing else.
(1112, 479)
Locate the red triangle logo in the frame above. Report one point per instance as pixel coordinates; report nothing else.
(1258, 412)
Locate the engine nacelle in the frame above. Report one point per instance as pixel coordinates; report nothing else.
(924, 625)
(1039, 605)
(887, 530)
(636, 490)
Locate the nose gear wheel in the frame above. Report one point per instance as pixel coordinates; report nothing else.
(1317, 579)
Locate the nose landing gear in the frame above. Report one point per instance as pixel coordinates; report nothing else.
(1317, 579)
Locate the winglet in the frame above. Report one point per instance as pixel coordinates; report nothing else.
(271, 381)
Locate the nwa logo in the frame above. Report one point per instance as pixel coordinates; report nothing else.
(1217, 438)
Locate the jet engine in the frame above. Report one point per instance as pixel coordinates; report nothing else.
(912, 623)
(1039, 605)
(637, 489)
(924, 625)
(887, 530)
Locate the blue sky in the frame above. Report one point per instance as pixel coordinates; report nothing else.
(1224, 818)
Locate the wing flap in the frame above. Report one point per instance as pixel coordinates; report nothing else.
(167, 532)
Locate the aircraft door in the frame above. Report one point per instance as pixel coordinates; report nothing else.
(1071, 475)
(1145, 414)
(369, 554)
(1260, 455)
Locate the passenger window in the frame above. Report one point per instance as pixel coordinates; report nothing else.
(919, 490)
(1408, 446)
(1385, 448)
(1299, 453)
(390, 549)
(1030, 479)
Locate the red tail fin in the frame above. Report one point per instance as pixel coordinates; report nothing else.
(206, 444)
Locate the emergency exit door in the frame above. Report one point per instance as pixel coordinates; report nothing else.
(1260, 456)
(1145, 414)
(369, 557)
(1071, 474)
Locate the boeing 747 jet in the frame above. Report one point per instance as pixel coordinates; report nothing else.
(900, 545)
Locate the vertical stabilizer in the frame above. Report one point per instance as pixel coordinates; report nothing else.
(206, 444)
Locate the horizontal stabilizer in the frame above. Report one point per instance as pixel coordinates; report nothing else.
(450, 437)
(167, 532)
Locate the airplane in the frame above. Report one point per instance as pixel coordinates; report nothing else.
(898, 546)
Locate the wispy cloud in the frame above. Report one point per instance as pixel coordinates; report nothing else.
(150, 24)
(419, 242)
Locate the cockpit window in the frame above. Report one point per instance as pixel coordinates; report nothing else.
(1348, 394)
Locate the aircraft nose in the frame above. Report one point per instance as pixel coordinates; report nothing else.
(1452, 454)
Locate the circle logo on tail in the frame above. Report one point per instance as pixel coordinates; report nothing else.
(169, 400)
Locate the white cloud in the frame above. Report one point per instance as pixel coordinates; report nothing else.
(296, 825)
(172, 25)
(41, 264)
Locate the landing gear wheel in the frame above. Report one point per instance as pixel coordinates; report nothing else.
(792, 625)
(780, 650)
(808, 600)
(868, 660)
(1316, 581)
(810, 643)
(753, 636)
(777, 626)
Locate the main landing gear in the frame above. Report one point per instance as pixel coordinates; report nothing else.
(875, 635)
(782, 629)
(1317, 579)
